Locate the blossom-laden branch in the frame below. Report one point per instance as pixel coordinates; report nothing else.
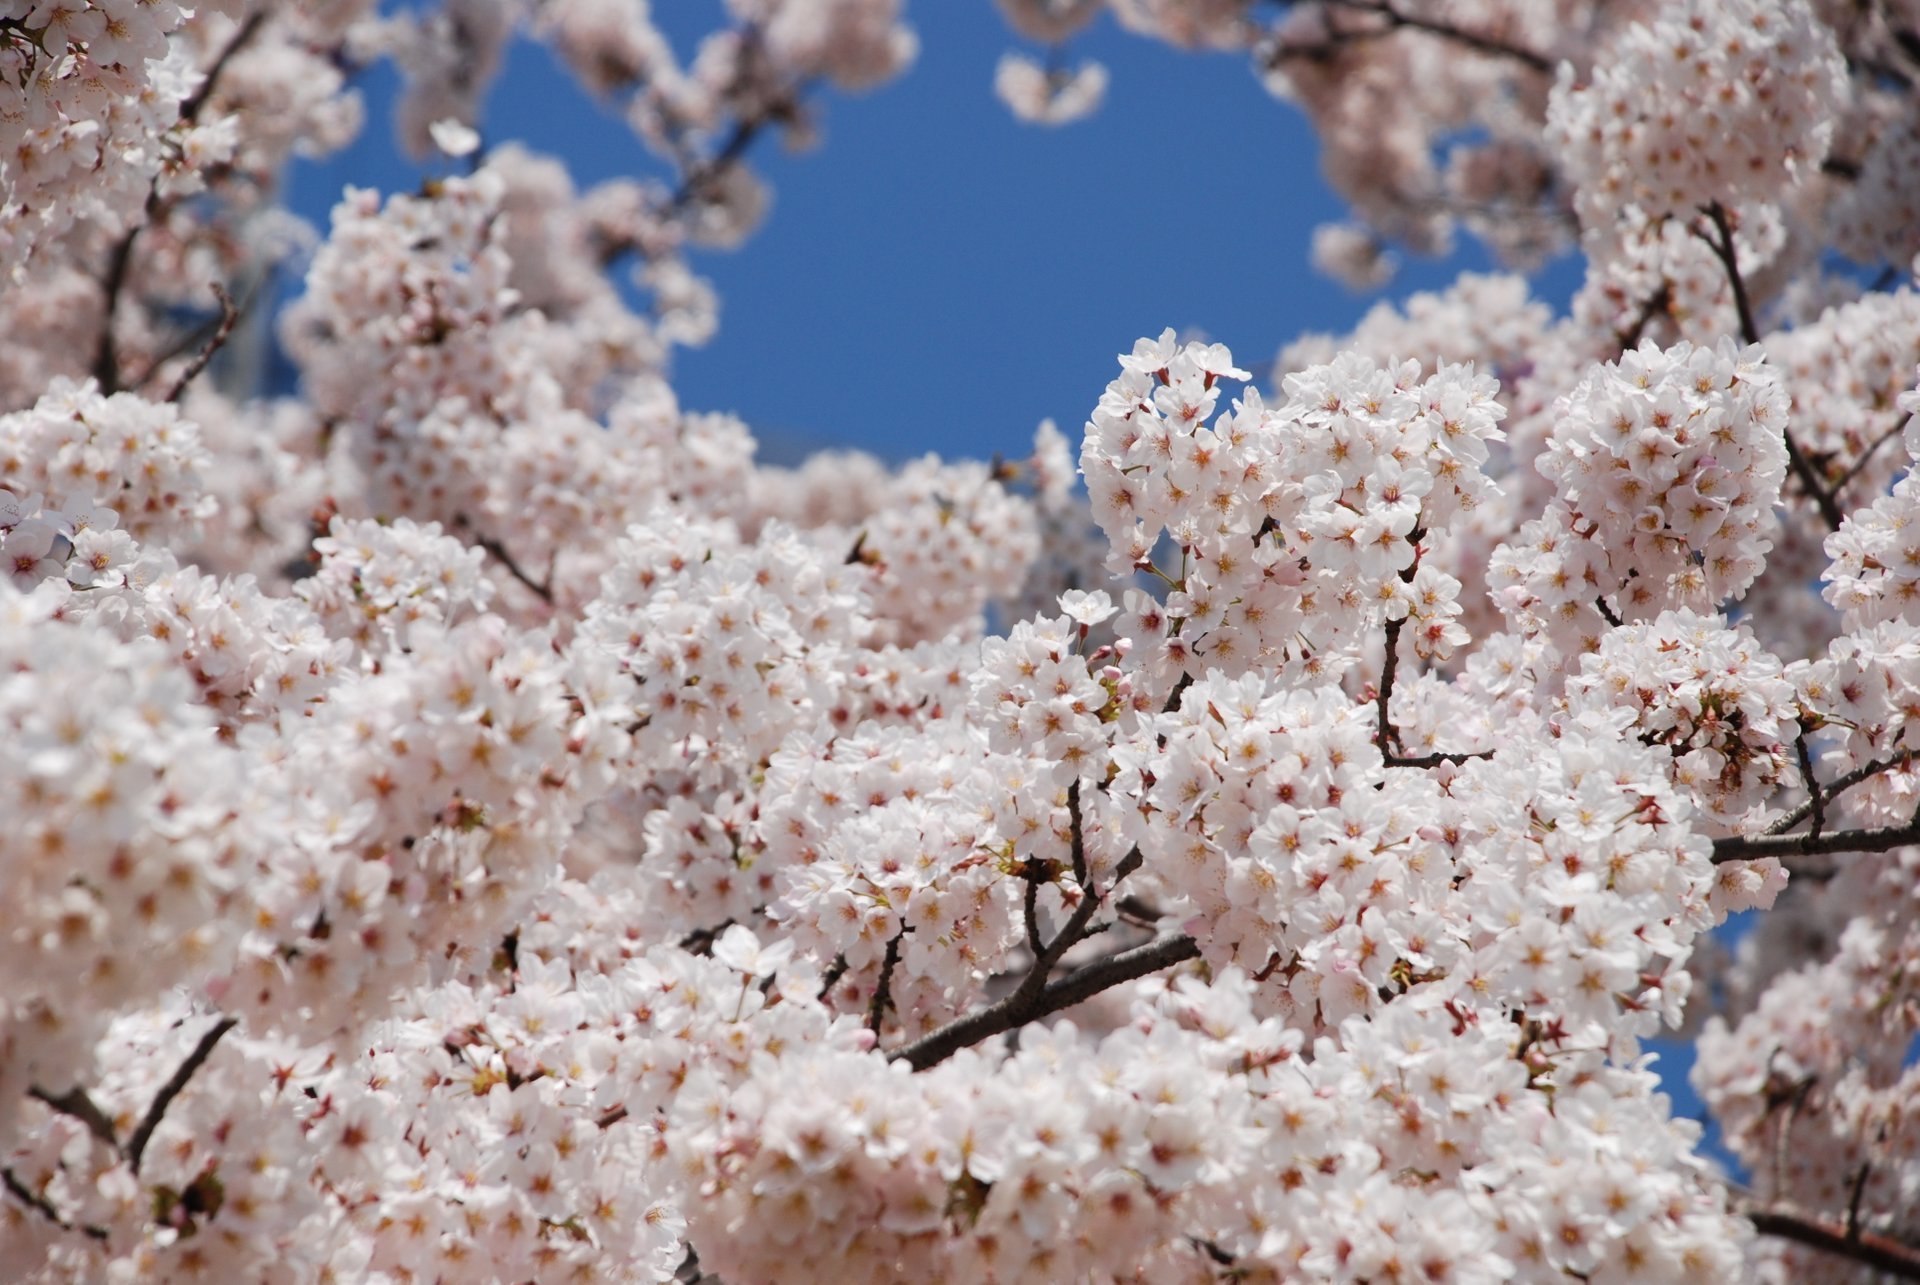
(543, 590)
(78, 1104)
(1819, 798)
(1721, 243)
(1385, 733)
(113, 282)
(176, 1083)
(1035, 997)
(40, 1205)
(1859, 464)
(222, 331)
(1025, 1005)
(1882, 1253)
(1395, 19)
(75, 1102)
(1751, 847)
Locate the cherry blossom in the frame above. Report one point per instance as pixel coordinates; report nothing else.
(467, 818)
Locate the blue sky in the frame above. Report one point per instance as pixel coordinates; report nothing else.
(937, 275)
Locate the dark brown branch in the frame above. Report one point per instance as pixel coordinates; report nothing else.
(113, 283)
(1033, 872)
(883, 989)
(40, 1205)
(229, 314)
(1816, 805)
(1860, 1176)
(831, 978)
(76, 1103)
(703, 174)
(106, 353)
(1882, 1253)
(1751, 847)
(1021, 1007)
(498, 551)
(1027, 1000)
(1479, 42)
(1721, 242)
(137, 1144)
(1436, 758)
(1179, 690)
(1076, 835)
(191, 106)
(1658, 304)
(1853, 470)
(1385, 734)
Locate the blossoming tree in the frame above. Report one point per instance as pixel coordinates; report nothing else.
(473, 823)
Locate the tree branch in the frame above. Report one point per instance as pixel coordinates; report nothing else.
(137, 1145)
(883, 989)
(1721, 242)
(498, 551)
(1479, 42)
(1818, 799)
(1882, 1253)
(1853, 470)
(1816, 805)
(229, 314)
(1749, 847)
(75, 1102)
(40, 1205)
(113, 283)
(1029, 999)
(1021, 1007)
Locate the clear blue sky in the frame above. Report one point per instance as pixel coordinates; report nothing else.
(937, 275)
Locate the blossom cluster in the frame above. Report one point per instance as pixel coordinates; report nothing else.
(1667, 465)
(1297, 529)
(1714, 101)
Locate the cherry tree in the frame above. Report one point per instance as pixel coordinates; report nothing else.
(470, 821)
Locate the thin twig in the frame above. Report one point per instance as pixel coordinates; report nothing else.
(1660, 302)
(1032, 871)
(229, 314)
(1385, 733)
(113, 282)
(1853, 470)
(190, 107)
(1721, 242)
(137, 1145)
(106, 354)
(1435, 759)
(1853, 1201)
(498, 551)
(1179, 690)
(1835, 788)
(1479, 42)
